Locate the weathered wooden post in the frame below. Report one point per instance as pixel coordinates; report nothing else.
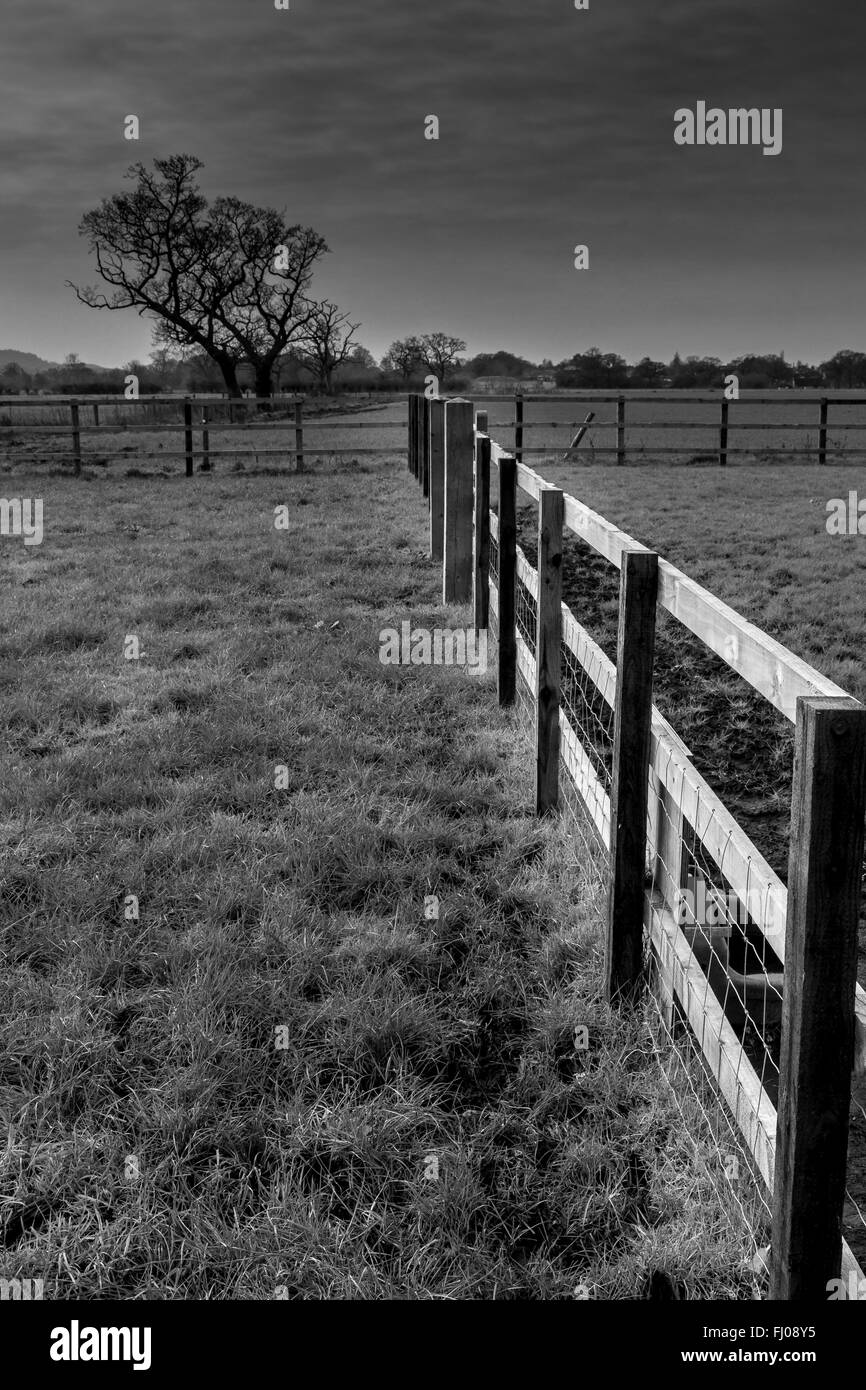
(413, 433)
(425, 444)
(518, 428)
(507, 634)
(824, 866)
(457, 559)
(548, 641)
(76, 438)
(410, 431)
(590, 416)
(723, 435)
(620, 429)
(437, 478)
(205, 442)
(630, 776)
(481, 526)
(822, 432)
(96, 413)
(299, 436)
(187, 433)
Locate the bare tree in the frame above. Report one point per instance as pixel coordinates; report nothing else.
(229, 279)
(404, 356)
(149, 248)
(328, 342)
(269, 311)
(362, 356)
(441, 352)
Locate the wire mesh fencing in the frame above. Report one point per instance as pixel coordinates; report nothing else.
(526, 606)
(730, 976)
(692, 903)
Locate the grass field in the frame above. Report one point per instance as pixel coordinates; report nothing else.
(426, 1127)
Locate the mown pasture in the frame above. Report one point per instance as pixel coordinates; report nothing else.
(279, 1075)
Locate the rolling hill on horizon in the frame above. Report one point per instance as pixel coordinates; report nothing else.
(31, 362)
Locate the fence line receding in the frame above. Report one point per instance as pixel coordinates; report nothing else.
(695, 912)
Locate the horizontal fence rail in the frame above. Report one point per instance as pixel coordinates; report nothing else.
(199, 415)
(692, 900)
(725, 431)
(776, 673)
(722, 429)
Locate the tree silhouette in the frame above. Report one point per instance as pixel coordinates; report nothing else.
(230, 279)
(328, 342)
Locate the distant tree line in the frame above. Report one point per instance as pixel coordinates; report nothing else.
(410, 360)
(195, 372)
(409, 363)
(594, 369)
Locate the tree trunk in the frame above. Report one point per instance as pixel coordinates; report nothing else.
(264, 387)
(229, 371)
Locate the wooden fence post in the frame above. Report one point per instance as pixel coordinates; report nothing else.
(620, 429)
(187, 433)
(76, 438)
(822, 432)
(723, 435)
(824, 867)
(630, 775)
(437, 478)
(96, 412)
(518, 428)
(205, 442)
(507, 634)
(413, 435)
(410, 431)
(590, 416)
(425, 445)
(299, 436)
(551, 513)
(457, 560)
(481, 530)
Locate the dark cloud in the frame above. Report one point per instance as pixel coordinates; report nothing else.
(556, 128)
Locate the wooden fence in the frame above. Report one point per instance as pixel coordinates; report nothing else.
(199, 415)
(767, 957)
(725, 424)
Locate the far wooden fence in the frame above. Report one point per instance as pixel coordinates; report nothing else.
(197, 417)
(724, 428)
(790, 955)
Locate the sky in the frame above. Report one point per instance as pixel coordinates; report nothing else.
(556, 128)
